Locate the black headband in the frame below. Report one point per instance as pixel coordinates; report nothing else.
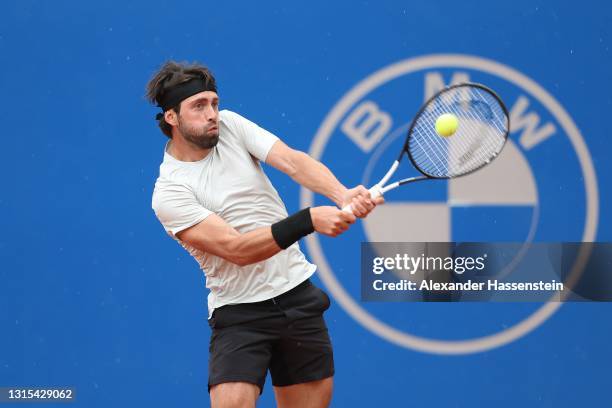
(180, 92)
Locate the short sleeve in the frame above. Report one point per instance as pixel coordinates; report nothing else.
(176, 207)
(257, 140)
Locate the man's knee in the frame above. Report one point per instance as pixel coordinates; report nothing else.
(310, 394)
(234, 395)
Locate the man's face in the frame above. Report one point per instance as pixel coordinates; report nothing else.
(198, 120)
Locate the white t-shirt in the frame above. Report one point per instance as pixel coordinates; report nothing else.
(230, 182)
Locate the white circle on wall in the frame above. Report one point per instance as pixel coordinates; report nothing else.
(325, 131)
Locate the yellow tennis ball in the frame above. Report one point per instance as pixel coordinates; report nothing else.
(446, 124)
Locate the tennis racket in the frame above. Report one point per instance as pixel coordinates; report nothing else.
(481, 132)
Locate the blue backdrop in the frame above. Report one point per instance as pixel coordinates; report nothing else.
(94, 295)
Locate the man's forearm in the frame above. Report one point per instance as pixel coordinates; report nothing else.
(316, 177)
(214, 236)
(254, 246)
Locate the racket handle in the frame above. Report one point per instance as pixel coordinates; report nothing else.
(375, 192)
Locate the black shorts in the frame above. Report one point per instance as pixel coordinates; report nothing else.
(286, 335)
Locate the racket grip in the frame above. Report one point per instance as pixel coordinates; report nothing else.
(375, 192)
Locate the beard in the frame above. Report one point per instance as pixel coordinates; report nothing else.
(199, 136)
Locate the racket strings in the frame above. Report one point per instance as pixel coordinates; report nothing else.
(464, 149)
(480, 141)
(467, 147)
(480, 136)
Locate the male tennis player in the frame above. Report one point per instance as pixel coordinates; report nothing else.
(213, 197)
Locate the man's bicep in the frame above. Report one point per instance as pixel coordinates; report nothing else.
(282, 158)
(212, 235)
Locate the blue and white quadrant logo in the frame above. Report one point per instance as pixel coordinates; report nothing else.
(542, 187)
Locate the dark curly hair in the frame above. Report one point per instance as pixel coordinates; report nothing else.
(171, 74)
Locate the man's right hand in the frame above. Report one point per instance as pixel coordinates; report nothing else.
(330, 221)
